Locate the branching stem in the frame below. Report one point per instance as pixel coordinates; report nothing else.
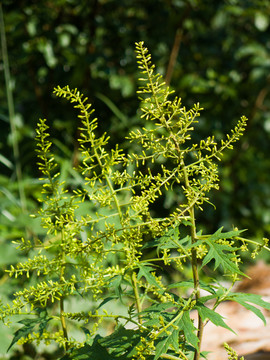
(194, 262)
(194, 265)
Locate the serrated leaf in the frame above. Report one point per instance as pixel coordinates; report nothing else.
(163, 345)
(89, 352)
(161, 241)
(120, 345)
(186, 324)
(222, 254)
(226, 235)
(170, 240)
(43, 325)
(175, 339)
(29, 325)
(190, 284)
(152, 313)
(28, 322)
(22, 332)
(158, 307)
(166, 341)
(146, 272)
(121, 342)
(247, 299)
(206, 313)
(116, 283)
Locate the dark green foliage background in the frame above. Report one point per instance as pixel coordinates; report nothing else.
(223, 62)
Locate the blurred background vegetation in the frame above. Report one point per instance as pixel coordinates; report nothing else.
(213, 52)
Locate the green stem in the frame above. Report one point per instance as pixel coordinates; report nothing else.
(97, 156)
(194, 265)
(63, 322)
(194, 262)
(177, 317)
(137, 296)
(116, 317)
(251, 242)
(11, 111)
(62, 310)
(169, 258)
(172, 357)
(114, 198)
(223, 297)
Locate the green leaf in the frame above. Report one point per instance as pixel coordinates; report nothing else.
(186, 324)
(120, 345)
(190, 284)
(175, 339)
(121, 342)
(107, 299)
(163, 241)
(222, 257)
(170, 240)
(206, 313)
(163, 345)
(116, 283)
(89, 352)
(145, 271)
(222, 254)
(246, 300)
(152, 313)
(22, 332)
(226, 235)
(170, 338)
(29, 325)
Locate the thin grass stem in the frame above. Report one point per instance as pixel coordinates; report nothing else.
(11, 111)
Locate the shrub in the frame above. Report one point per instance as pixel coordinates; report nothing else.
(105, 247)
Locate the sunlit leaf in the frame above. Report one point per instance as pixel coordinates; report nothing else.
(247, 300)
(206, 313)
